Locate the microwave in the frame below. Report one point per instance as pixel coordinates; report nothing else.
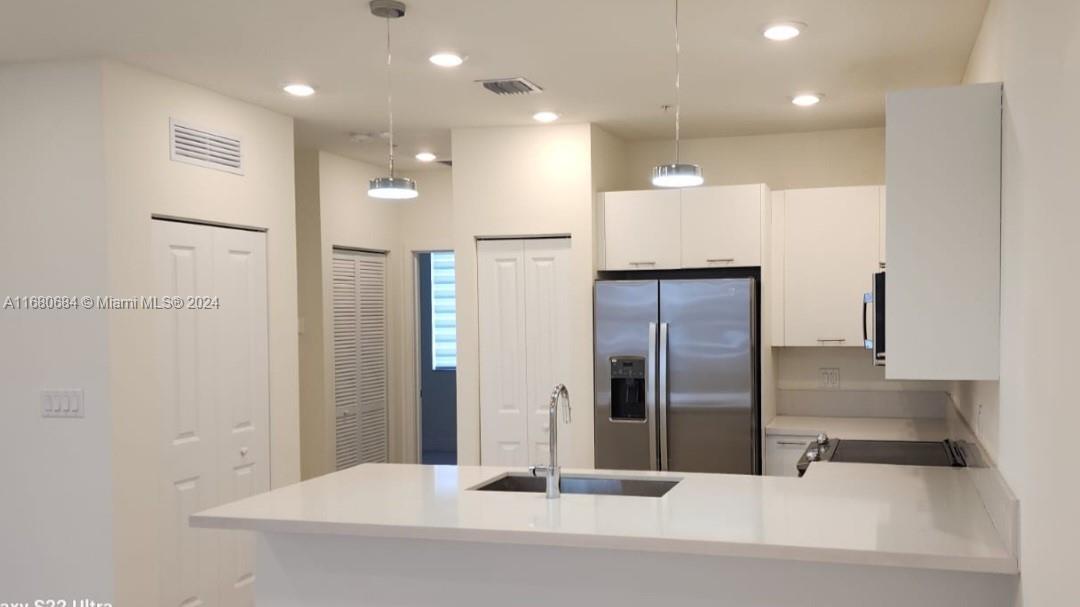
(873, 318)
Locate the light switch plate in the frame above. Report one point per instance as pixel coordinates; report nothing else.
(62, 403)
(829, 378)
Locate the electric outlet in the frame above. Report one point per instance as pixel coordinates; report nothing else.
(829, 378)
(62, 403)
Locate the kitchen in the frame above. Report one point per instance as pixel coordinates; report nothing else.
(776, 257)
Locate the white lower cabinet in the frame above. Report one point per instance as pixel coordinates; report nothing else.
(524, 312)
(831, 251)
(782, 453)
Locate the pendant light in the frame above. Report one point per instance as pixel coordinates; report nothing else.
(677, 174)
(392, 187)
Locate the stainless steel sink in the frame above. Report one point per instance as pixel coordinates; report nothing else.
(591, 485)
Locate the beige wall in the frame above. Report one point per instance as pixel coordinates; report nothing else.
(979, 402)
(784, 161)
(427, 224)
(1034, 44)
(516, 182)
(57, 522)
(313, 443)
(142, 181)
(334, 210)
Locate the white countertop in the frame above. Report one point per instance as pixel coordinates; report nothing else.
(861, 428)
(903, 516)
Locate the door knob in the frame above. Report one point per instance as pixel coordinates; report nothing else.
(243, 451)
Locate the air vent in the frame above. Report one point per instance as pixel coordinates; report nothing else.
(204, 148)
(510, 86)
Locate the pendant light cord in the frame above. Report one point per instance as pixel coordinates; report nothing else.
(390, 97)
(678, 99)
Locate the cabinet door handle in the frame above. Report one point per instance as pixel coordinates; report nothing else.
(721, 260)
(791, 443)
(643, 263)
(832, 341)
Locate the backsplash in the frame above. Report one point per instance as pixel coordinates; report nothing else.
(834, 382)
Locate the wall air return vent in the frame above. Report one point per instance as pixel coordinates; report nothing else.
(204, 148)
(510, 86)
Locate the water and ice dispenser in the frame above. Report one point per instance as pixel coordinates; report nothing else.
(628, 388)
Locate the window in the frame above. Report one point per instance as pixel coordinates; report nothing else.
(443, 312)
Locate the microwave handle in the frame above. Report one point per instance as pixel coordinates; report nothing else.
(867, 299)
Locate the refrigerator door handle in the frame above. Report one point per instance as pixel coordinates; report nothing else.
(650, 396)
(663, 394)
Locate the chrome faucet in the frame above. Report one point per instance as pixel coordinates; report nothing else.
(551, 471)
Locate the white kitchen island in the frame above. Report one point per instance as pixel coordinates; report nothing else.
(845, 535)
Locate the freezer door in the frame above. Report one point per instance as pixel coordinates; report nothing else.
(708, 369)
(625, 329)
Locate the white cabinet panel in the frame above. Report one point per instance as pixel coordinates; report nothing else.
(782, 453)
(776, 292)
(830, 255)
(641, 229)
(881, 226)
(721, 226)
(943, 167)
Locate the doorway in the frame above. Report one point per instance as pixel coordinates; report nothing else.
(437, 364)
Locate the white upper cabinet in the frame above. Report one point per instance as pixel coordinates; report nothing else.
(705, 227)
(943, 171)
(641, 230)
(721, 226)
(831, 251)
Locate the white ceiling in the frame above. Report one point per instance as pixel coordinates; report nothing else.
(603, 61)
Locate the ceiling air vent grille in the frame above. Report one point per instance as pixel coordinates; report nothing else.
(510, 86)
(204, 148)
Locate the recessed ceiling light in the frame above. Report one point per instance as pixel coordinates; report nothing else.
(426, 157)
(806, 99)
(783, 31)
(446, 59)
(299, 90)
(545, 116)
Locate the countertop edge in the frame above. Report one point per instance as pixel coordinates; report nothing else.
(1003, 565)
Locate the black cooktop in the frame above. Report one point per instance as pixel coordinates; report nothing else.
(907, 453)
(903, 453)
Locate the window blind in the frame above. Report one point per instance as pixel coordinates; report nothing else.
(443, 311)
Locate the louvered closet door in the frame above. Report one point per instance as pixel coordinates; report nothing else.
(360, 358)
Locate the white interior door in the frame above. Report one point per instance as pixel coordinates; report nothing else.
(524, 331)
(361, 398)
(503, 394)
(243, 395)
(547, 335)
(214, 393)
(183, 264)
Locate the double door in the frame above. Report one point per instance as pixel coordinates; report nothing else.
(524, 323)
(213, 395)
(676, 375)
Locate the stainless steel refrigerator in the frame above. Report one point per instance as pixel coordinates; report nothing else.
(676, 375)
